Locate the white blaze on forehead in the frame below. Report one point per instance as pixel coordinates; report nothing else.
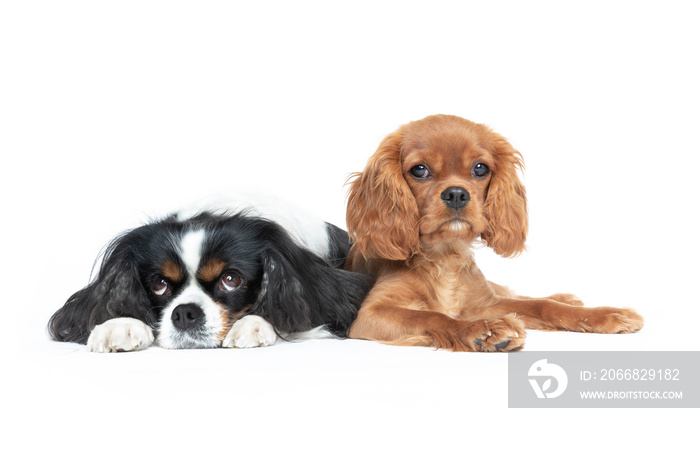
(191, 251)
(191, 246)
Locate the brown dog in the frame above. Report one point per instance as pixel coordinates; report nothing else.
(432, 189)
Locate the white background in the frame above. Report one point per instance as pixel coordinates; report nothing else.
(111, 112)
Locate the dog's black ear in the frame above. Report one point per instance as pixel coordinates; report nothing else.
(116, 292)
(300, 291)
(338, 245)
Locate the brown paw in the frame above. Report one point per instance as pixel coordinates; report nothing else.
(566, 298)
(499, 335)
(612, 320)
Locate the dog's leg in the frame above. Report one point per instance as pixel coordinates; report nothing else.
(547, 314)
(408, 327)
(505, 292)
(566, 298)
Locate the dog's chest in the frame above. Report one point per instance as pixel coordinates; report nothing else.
(449, 292)
(456, 287)
(455, 284)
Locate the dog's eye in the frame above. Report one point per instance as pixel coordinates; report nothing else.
(161, 288)
(420, 171)
(480, 170)
(229, 282)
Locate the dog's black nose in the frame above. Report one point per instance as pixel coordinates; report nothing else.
(455, 197)
(186, 316)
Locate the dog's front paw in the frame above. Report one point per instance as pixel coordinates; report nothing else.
(250, 332)
(500, 335)
(120, 334)
(612, 320)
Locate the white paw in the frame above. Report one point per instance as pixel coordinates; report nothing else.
(120, 334)
(250, 332)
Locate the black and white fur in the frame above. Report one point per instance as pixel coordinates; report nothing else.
(216, 278)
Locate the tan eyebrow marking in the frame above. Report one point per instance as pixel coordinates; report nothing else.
(211, 270)
(172, 272)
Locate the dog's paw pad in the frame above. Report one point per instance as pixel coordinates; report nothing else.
(504, 335)
(502, 344)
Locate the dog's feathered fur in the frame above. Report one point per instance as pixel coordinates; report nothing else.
(431, 190)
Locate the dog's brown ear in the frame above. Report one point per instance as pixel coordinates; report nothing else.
(382, 214)
(506, 205)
